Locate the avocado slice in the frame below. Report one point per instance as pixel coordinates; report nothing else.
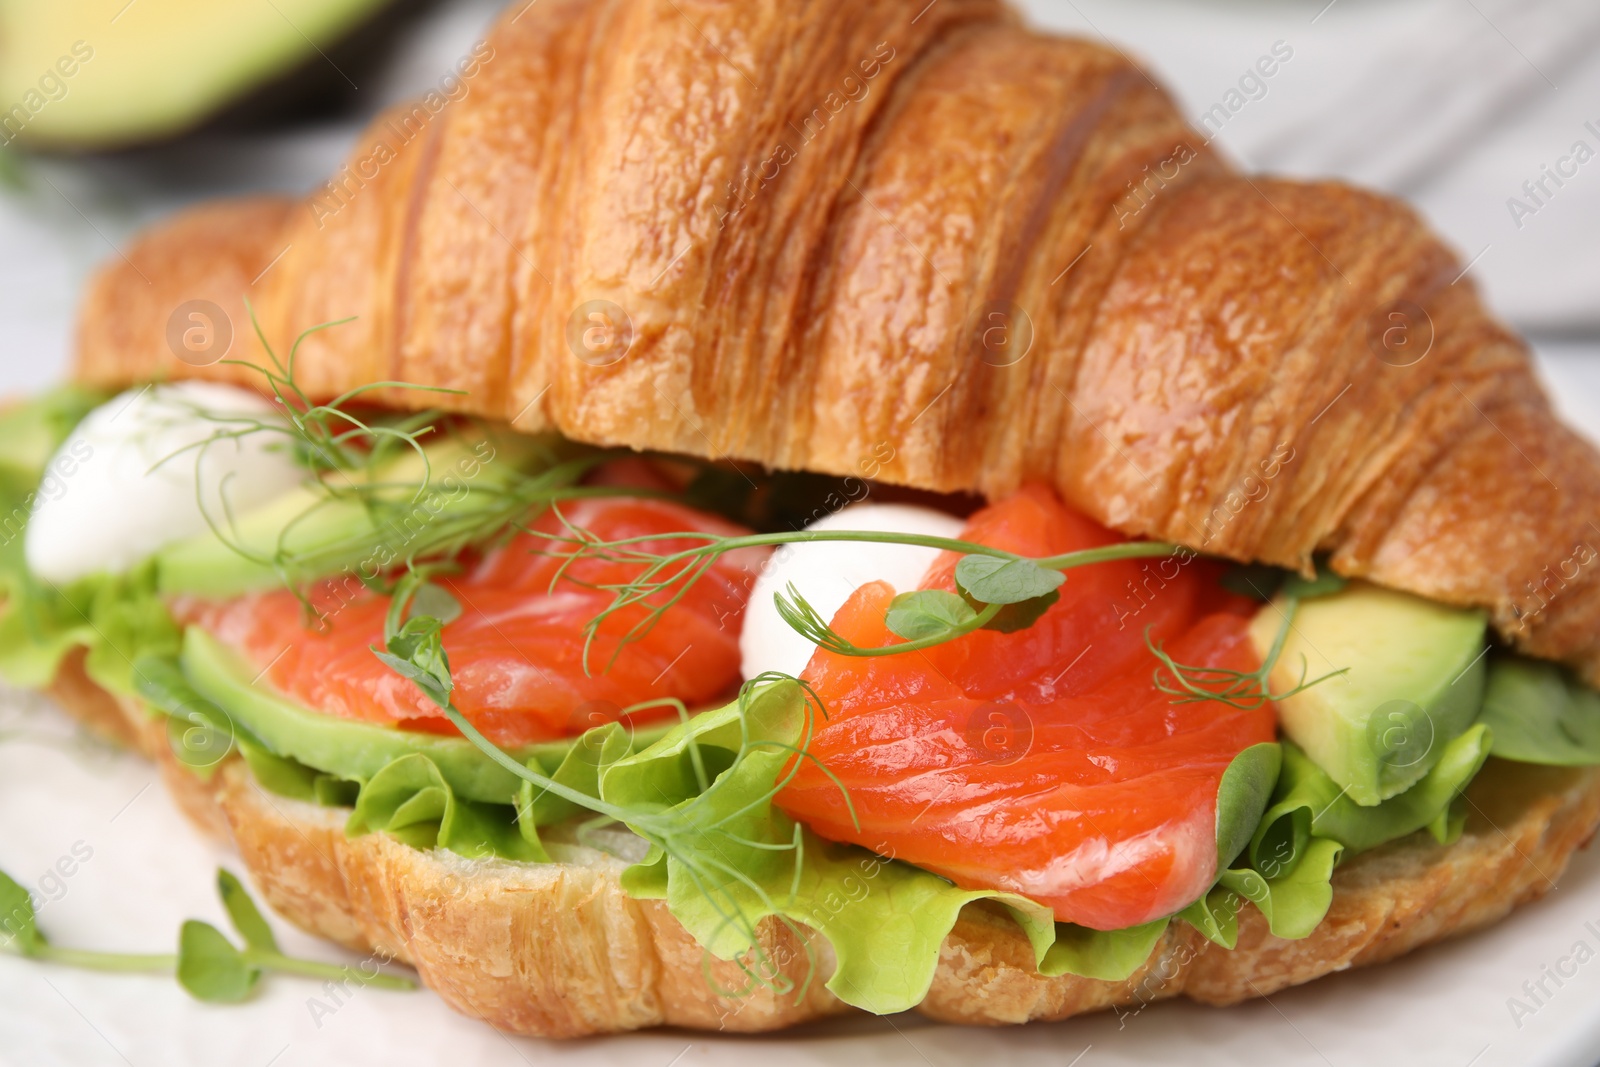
(102, 73)
(350, 749)
(30, 432)
(330, 528)
(1540, 713)
(1413, 682)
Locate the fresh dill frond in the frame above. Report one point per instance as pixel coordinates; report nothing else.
(384, 466)
(665, 578)
(1244, 690)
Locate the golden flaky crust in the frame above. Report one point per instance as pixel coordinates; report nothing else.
(845, 230)
(558, 950)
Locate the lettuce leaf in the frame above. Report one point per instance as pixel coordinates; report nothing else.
(410, 800)
(1292, 890)
(118, 619)
(578, 769)
(724, 858)
(1304, 834)
(1312, 822)
(1540, 713)
(1293, 902)
(1307, 803)
(1242, 797)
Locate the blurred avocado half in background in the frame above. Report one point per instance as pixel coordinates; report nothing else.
(99, 74)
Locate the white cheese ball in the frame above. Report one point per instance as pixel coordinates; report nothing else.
(122, 486)
(827, 572)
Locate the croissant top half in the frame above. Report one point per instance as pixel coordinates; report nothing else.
(920, 242)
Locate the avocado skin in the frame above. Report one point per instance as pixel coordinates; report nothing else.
(349, 749)
(325, 87)
(1413, 681)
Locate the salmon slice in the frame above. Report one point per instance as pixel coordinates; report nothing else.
(516, 651)
(1043, 762)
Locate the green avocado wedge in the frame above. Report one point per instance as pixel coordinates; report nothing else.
(1540, 713)
(30, 433)
(1413, 681)
(350, 750)
(104, 73)
(318, 531)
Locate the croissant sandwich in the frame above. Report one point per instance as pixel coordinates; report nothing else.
(736, 513)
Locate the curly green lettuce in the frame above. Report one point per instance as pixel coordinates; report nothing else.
(116, 619)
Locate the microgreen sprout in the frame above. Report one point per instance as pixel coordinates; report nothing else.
(1002, 590)
(693, 834)
(207, 964)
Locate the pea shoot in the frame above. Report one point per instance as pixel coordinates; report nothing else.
(208, 965)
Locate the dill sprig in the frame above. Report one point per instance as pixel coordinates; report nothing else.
(1000, 589)
(1244, 690)
(328, 436)
(382, 464)
(694, 835)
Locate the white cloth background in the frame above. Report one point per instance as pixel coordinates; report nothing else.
(1453, 104)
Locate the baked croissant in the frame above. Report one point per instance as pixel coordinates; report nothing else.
(926, 244)
(814, 214)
